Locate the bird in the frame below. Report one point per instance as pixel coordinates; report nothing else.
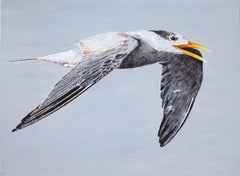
(95, 57)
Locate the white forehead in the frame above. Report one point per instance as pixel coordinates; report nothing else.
(156, 41)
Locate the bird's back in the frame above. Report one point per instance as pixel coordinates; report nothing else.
(103, 43)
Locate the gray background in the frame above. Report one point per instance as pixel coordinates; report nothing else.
(112, 128)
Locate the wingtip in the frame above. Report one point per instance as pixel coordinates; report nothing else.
(162, 143)
(15, 129)
(164, 140)
(18, 127)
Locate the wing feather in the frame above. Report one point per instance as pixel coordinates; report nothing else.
(79, 79)
(181, 81)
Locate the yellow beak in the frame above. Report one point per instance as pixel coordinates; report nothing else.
(191, 45)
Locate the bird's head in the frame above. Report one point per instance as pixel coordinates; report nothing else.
(175, 43)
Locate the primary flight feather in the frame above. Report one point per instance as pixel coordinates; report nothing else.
(97, 56)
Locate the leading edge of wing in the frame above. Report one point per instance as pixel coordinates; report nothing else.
(35, 116)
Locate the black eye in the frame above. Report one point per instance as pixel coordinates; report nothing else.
(173, 38)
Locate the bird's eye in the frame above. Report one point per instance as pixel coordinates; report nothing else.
(173, 38)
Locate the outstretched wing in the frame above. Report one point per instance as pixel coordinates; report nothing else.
(78, 80)
(181, 80)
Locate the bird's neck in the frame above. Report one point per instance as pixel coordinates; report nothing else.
(144, 54)
(149, 37)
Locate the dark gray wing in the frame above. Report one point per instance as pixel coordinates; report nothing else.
(78, 80)
(181, 80)
(85, 74)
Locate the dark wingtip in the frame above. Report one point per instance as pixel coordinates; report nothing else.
(162, 145)
(17, 128)
(162, 142)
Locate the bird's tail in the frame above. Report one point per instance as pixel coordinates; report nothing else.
(67, 58)
(22, 60)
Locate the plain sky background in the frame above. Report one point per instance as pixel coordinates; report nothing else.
(112, 128)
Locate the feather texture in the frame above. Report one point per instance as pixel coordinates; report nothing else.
(79, 79)
(181, 80)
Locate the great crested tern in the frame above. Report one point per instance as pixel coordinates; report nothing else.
(95, 57)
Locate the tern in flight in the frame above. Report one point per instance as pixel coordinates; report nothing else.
(95, 57)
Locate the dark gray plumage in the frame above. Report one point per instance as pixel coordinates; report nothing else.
(73, 84)
(181, 80)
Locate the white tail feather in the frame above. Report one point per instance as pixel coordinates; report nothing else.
(67, 58)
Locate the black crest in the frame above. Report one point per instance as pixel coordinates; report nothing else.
(163, 34)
